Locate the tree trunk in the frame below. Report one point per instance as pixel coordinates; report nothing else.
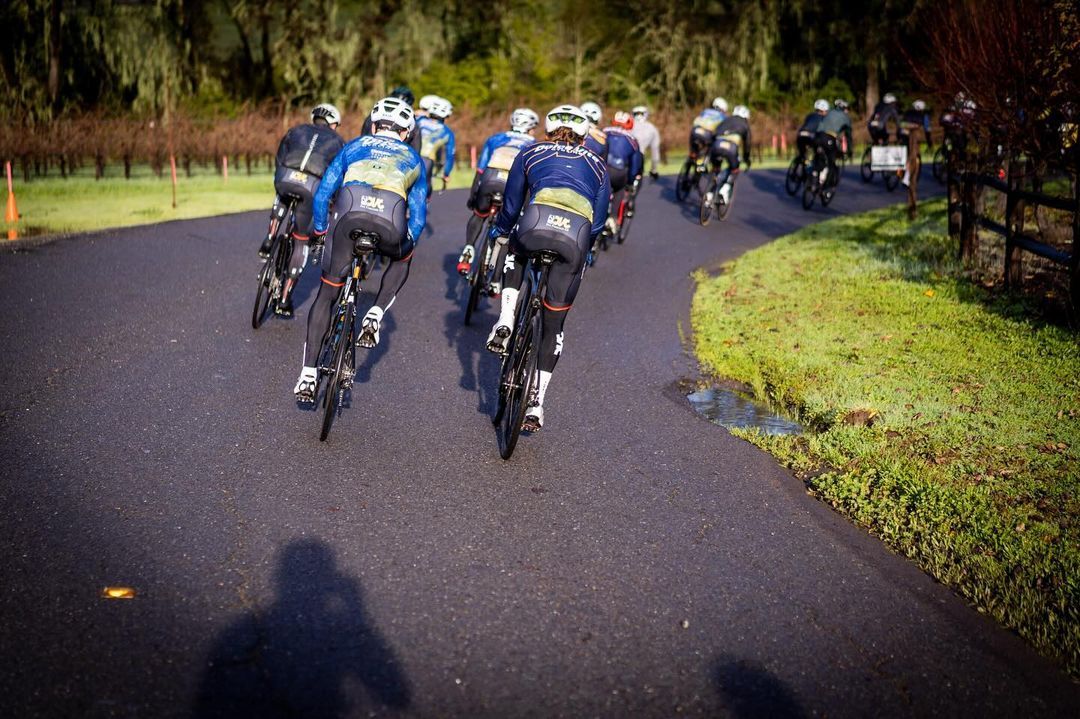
(127, 167)
(99, 166)
(873, 86)
(267, 55)
(54, 54)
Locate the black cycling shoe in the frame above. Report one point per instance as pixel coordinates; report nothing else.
(264, 248)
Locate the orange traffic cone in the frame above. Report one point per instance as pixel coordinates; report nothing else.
(11, 215)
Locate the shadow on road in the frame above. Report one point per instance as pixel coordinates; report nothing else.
(747, 689)
(294, 658)
(479, 368)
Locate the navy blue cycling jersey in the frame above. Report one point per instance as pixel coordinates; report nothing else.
(596, 142)
(565, 176)
(623, 151)
(384, 163)
(501, 149)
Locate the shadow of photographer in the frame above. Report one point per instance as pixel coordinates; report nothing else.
(297, 657)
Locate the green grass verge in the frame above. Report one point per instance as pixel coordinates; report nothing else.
(947, 420)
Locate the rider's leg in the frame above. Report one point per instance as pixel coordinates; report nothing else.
(264, 248)
(393, 279)
(513, 275)
(481, 207)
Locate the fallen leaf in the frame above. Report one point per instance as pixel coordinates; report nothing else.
(929, 293)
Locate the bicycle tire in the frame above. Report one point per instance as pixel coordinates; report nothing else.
(865, 172)
(262, 295)
(624, 228)
(723, 208)
(808, 194)
(793, 179)
(523, 369)
(331, 399)
(705, 213)
(892, 180)
(682, 181)
(478, 277)
(939, 164)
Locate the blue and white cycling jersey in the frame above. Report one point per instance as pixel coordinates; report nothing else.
(437, 142)
(568, 177)
(500, 150)
(383, 163)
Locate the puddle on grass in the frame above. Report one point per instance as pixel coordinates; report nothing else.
(737, 410)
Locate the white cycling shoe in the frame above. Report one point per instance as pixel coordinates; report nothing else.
(369, 328)
(499, 339)
(534, 418)
(307, 384)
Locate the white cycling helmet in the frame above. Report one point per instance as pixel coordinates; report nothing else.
(741, 111)
(395, 111)
(720, 104)
(918, 106)
(821, 105)
(592, 111)
(567, 116)
(889, 99)
(327, 112)
(426, 101)
(523, 119)
(441, 108)
(640, 111)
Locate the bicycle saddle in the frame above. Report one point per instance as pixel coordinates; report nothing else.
(363, 242)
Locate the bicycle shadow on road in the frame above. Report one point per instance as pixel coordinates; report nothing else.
(479, 368)
(295, 657)
(747, 689)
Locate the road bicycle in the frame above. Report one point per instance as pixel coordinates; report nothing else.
(337, 354)
(518, 376)
(712, 200)
(814, 187)
(943, 156)
(622, 212)
(274, 281)
(486, 260)
(689, 177)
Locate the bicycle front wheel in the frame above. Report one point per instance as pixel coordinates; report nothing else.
(864, 167)
(708, 197)
(892, 179)
(808, 194)
(723, 208)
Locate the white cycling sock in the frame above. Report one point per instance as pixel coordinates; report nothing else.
(541, 389)
(509, 306)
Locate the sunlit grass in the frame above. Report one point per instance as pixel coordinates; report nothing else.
(971, 460)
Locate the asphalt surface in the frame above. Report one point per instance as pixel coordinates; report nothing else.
(632, 559)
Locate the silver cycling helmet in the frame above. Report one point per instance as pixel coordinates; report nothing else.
(889, 99)
(396, 112)
(640, 112)
(840, 104)
(741, 111)
(821, 105)
(592, 111)
(523, 119)
(327, 112)
(567, 116)
(918, 106)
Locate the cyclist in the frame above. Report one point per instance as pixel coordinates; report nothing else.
(731, 135)
(596, 140)
(492, 168)
(371, 181)
(648, 138)
(845, 141)
(567, 190)
(703, 131)
(625, 163)
(404, 93)
(954, 120)
(834, 126)
(302, 157)
(884, 113)
(808, 129)
(915, 118)
(437, 139)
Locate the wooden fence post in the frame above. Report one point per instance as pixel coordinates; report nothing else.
(952, 192)
(968, 235)
(1074, 257)
(914, 164)
(1014, 225)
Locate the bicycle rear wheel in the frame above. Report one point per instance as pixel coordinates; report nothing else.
(708, 197)
(808, 193)
(521, 374)
(682, 181)
(624, 227)
(795, 176)
(864, 167)
(478, 276)
(341, 364)
(723, 208)
(892, 179)
(262, 295)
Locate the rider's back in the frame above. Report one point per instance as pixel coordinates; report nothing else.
(309, 148)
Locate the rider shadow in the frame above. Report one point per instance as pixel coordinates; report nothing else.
(690, 208)
(479, 368)
(456, 286)
(303, 654)
(747, 689)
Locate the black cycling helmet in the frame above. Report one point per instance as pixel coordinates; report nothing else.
(403, 92)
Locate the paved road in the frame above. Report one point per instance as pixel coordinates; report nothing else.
(632, 559)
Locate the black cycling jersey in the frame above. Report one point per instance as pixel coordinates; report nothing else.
(737, 126)
(309, 148)
(810, 124)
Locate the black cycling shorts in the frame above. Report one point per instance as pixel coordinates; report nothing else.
(364, 208)
(879, 134)
(489, 183)
(724, 150)
(618, 177)
(542, 227)
(700, 139)
(804, 141)
(301, 185)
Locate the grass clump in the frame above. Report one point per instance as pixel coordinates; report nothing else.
(947, 419)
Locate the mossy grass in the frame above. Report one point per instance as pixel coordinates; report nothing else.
(946, 419)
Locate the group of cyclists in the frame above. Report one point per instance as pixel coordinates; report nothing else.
(563, 193)
(549, 193)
